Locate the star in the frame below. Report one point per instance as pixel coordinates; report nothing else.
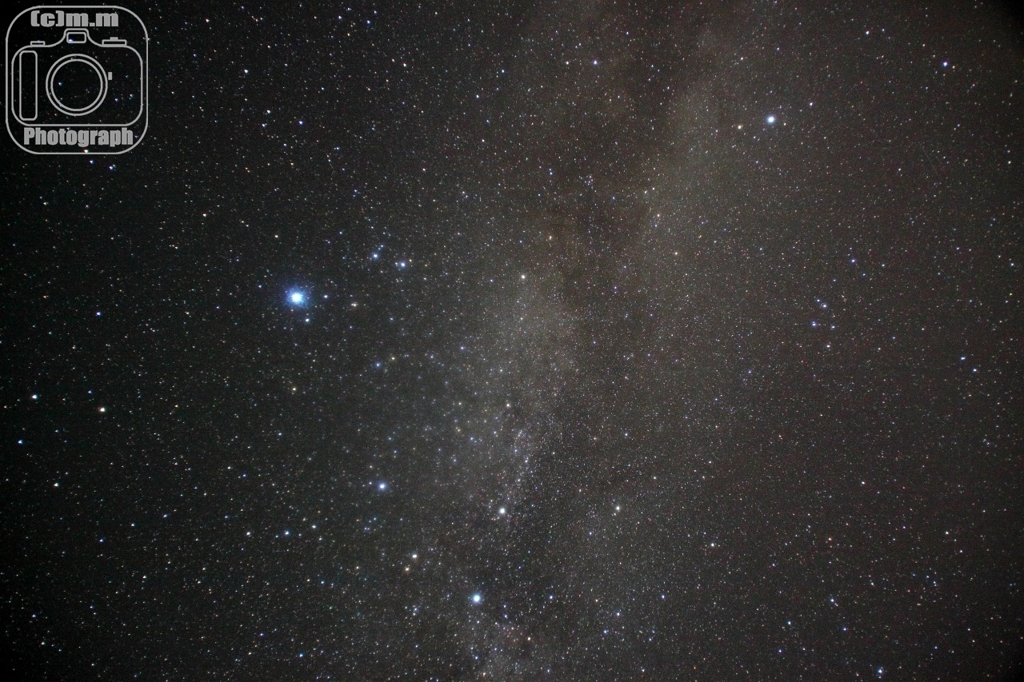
(297, 297)
(770, 119)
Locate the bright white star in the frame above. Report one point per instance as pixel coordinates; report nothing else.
(297, 298)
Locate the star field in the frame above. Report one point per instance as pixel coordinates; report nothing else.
(515, 341)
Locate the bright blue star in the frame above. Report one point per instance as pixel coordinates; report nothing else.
(477, 598)
(771, 119)
(297, 297)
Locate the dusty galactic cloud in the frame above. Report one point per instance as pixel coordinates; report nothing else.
(570, 341)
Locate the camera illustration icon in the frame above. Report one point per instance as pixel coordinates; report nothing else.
(76, 80)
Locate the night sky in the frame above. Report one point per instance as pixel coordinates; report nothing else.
(523, 340)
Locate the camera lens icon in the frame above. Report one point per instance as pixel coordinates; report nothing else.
(68, 87)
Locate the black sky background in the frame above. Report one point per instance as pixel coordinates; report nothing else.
(679, 392)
